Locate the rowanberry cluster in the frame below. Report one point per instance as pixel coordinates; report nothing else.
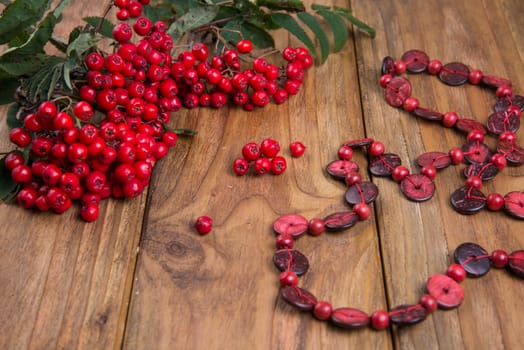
(107, 141)
(264, 157)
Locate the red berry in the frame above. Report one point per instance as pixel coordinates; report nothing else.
(20, 137)
(21, 174)
(262, 166)
(278, 165)
(203, 224)
(83, 110)
(244, 46)
(251, 151)
(122, 32)
(297, 149)
(269, 148)
(240, 166)
(89, 212)
(13, 159)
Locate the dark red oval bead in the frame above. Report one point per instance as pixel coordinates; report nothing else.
(298, 297)
(292, 260)
(516, 263)
(404, 315)
(349, 318)
(340, 221)
(514, 204)
(454, 73)
(473, 258)
(383, 165)
(361, 192)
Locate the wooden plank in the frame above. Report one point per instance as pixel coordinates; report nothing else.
(66, 283)
(221, 291)
(417, 240)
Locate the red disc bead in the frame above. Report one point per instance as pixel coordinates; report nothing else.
(450, 119)
(322, 310)
(499, 258)
(316, 226)
(495, 201)
(457, 272)
(434, 67)
(475, 77)
(379, 320)
(400, 173)
(428, 302)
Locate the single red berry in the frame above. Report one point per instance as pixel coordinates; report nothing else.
(143, 26)
(20, 137)
(13, 159)
(262, 166)
(122, 32)
(240, 166)
(269, 148)
(251, 151)
(278, 165)
(26, 197)
(94, 61)
(203, 224)
(89, 212)
(21, 174)
(297, 149)
(83, 110)
(244, 46)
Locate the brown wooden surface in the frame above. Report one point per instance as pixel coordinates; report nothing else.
(141, 278)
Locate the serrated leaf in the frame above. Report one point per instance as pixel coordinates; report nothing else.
(36, 41)
(20, 15)
(290, 24)
(192, 19)
(40, 84)
(286, 5)
(106, 27)
(12, 116)
(231, 31)
(9, 87)
(338, 28)
(81, 44)
(357, 23)
(10, 69)
(313, 24)
(258, 36)
(8, 187)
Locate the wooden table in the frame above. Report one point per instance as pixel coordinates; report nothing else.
(141, 278)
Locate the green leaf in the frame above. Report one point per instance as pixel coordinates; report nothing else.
(290, 24)
(5, 2)
(356, 22)
(10, 69)
(9, 87)
(20, 15)
(313, 24)
(81, 44)
(106, 28)
(12, 116)
(286, 5)
(156, 13)
(36, 41)
(194, 18)
(258, 36)
(181, 7)
(317, 7)
(8, 187)
(68, 66)
(42, 83)
(231, 31)
(338, 27)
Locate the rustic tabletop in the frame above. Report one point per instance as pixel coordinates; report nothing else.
(141, 278)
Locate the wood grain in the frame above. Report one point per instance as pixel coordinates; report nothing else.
(66, 284)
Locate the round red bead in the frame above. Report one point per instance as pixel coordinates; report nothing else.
(379, 320)
(499, 258)
(322, 310)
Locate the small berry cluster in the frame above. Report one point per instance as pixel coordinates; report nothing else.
(106, 140)
(265, 158)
